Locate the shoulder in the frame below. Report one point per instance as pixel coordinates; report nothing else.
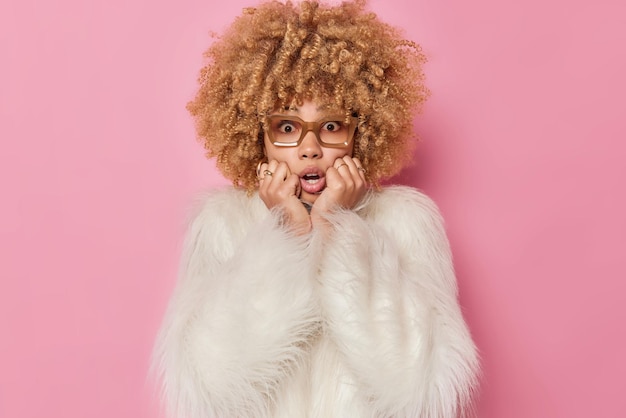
(216, 224)
(400, 202)
(218, 219)
(225, 204)
(408, 215)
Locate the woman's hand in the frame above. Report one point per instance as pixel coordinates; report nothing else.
(345, 186)
(279, 187)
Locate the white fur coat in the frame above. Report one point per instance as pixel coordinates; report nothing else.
(361, 322)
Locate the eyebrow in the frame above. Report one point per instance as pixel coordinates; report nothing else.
(296, 109)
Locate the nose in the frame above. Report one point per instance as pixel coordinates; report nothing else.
(310, 146)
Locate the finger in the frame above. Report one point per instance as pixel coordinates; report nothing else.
(357, 171)
(278, 186)
(332, 176)
(354, 164)
(266, 184)
(356, 185)
(267, 172)
(260, 168)
(293, 183)
(282, 171)
(348, 171)
(349, 161)
(272, 165)
(359, 168)
(268, 169)
(362, 173)
(264, 180)
(342, 167)
(290, 184)
(335, 181)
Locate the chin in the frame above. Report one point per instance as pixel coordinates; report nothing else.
(308, 197)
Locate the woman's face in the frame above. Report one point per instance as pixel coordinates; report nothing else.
(309, 159)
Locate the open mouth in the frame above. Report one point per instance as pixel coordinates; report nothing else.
(312, 182)
(311, 178)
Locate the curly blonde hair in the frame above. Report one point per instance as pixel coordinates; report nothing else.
(278, 54)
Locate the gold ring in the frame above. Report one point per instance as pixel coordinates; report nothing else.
(342, 165)
(267, 173)
(362, 169)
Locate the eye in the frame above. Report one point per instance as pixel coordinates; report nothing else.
(331, 126)
(287, 127)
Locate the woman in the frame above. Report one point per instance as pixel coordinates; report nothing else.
(304, 291)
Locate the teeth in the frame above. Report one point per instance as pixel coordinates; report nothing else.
(311, 181)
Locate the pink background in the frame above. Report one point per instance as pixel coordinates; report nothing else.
(523, 149)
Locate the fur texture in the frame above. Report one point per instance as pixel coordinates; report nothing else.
(361, 321)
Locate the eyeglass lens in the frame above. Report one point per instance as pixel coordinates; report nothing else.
(329, 131)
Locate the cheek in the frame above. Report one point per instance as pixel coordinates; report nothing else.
(284, 154)
(276, 154)
(270, 151)
(350, 150)
(343, 152)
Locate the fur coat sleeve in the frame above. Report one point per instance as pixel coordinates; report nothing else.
(252, 301)
(388, 297)
(241, 314)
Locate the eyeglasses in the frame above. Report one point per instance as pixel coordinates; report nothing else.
(288, 131)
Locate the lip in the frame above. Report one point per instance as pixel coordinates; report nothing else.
(312, 170)
(312, 187)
